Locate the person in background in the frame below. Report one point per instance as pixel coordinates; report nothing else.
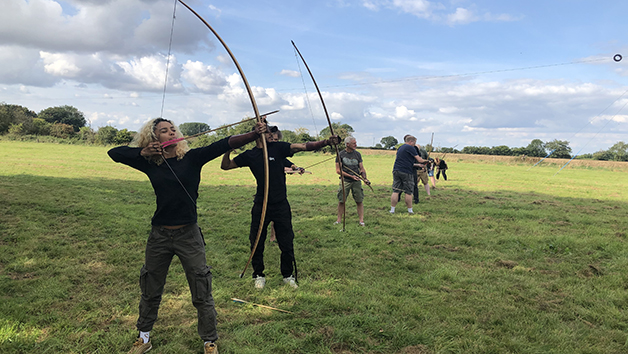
(442, 168)
(278, 208)
(430, 171)
(422, 173)
(175, 174)
(352, 170)
(274, 136)
(403, 179)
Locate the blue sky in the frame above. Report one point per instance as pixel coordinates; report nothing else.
(481, 73)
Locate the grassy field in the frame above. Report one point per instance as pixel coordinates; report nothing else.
(501, 259)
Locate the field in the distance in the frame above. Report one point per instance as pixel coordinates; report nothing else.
(501, 259)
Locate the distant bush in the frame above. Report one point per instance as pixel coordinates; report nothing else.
(62, 130)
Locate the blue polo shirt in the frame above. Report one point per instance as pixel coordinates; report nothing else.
(405, 159)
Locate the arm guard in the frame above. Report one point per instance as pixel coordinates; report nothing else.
(316, 145)
(235, 141)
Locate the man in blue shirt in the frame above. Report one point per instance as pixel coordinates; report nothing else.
(403, 174)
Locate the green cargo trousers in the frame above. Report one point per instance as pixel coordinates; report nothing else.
(188, 244)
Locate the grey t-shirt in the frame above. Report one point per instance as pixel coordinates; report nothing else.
(350, 161)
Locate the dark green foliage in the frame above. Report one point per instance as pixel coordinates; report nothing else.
(342, 130)
(60, 130)
(448, 150)
(389, 142)
(560, 149)
(106, 135)
(476, 150)
(14, 114)
(536, 148)
(193, 128)
(65, 115)
(619, 151)
(123, 137)
(501, 150)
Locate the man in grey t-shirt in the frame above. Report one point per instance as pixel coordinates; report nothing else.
(353, 173)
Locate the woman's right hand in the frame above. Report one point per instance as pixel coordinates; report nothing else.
(152, 149)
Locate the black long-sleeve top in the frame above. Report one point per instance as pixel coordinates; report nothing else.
(174, 206)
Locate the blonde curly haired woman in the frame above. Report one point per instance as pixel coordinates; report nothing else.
(175, 173)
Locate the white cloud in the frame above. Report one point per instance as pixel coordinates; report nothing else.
(402, 112)
(59, 64)
(290, 73)
(205, 78)
(461, 16)
(419, 8)
(438, 12)
(336, 116)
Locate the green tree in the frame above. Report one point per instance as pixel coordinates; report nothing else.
(476, 150)
(518, 151)
(289, 136)
(65, 115)
(87, 135)
(39, 127)
(619, 151)
(501, 150)
(603, 155)
(305, 137)
(61, 130)
(123, 137)
(389, 142)
(536, 148)
(14, 114)
(17, 129)
(342, 130)
(106, 135)
(242, 128)
(560, 148)
(193, 128)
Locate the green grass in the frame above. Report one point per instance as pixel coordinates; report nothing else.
(501, 259)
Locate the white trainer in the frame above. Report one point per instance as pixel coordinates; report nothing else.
(260, 282)
(291, 281)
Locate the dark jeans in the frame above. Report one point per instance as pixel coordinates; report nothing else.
(281, 214)
(443, 172)
(188, 244)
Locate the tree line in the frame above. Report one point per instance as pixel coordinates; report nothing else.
(68, 124)
(65, 123)
(536, 148)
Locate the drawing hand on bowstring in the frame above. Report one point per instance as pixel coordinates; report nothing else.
(153, 148)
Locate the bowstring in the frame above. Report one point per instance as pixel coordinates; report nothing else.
(178, 180)
(307, 95)
(163, 98)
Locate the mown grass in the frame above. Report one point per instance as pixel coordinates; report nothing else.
(501, 259)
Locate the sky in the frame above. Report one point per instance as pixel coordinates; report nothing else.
(470, 73)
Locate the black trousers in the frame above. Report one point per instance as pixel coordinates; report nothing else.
(443, 172)
(188, 244)
(281, 215)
